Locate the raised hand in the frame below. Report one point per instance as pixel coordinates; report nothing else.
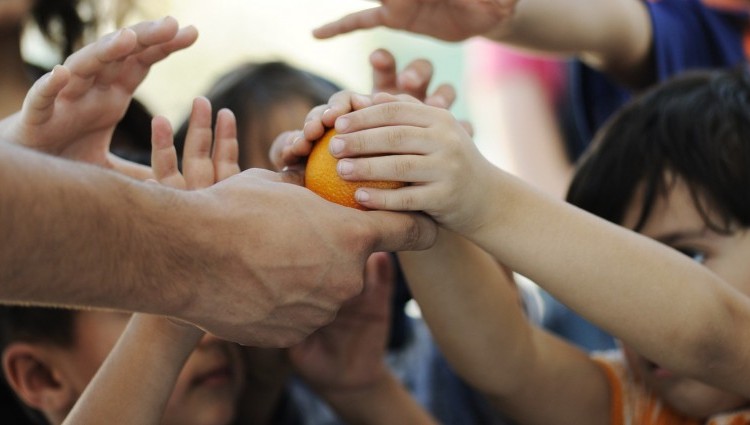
(208, 157)
(450, 20)
(73, 111)
(413, 80)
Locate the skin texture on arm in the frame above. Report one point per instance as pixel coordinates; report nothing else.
(613, 36)
(597, 268)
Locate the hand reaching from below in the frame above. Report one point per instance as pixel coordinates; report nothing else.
(349, 353)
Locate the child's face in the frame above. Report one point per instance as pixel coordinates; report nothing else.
(676, 222)
(206, 391)
(282, 116)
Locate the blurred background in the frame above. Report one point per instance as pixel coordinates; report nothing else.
(235, 31)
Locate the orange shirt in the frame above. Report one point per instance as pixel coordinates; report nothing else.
(634, 404)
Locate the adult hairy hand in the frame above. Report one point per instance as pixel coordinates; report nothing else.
(282, 260)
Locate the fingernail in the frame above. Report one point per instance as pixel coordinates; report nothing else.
(336, 146)
(342, 124)
(345, 167)
(361, 196)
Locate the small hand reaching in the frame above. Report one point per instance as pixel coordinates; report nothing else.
(72, 111)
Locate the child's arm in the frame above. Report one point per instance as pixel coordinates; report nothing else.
(72, 112)
(344, 362)
(613, 35)
(637, 289)
(475, 314)
(136, 380)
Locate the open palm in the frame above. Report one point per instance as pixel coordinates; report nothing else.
(73, 111)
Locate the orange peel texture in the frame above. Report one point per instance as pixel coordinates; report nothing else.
(321, 176)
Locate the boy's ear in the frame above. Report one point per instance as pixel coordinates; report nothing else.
(35, 380)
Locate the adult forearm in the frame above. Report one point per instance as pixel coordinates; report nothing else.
(75, 234)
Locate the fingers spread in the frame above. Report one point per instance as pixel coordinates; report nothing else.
(415, 78)
(90, 61)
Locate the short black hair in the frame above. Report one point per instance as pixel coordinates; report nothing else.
(695, 126)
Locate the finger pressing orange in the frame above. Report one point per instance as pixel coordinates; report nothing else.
(321, 176)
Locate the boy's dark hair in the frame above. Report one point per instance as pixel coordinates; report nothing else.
(695, 127)
(33, 325)
(252, 89)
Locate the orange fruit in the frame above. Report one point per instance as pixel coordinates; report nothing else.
(321, 176)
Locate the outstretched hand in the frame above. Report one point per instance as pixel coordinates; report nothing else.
(450, 20)
(290, 149)
(349, 353)
(72, 111)
(209, 156)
